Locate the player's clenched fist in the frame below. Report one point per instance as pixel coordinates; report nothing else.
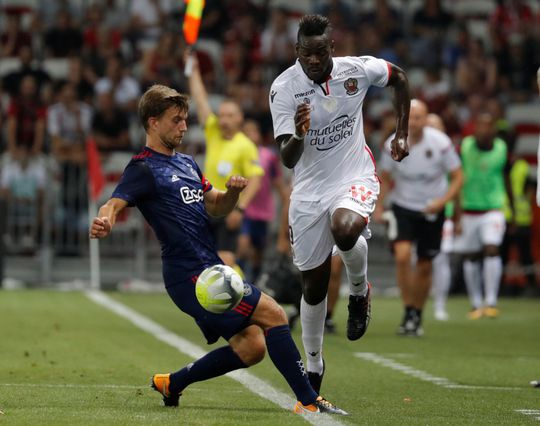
(236, 183)
(101, 227)
(302, 119)
(399, 148)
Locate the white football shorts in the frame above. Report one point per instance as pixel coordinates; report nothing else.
(479, 230)
(447, 240)
(309, 221)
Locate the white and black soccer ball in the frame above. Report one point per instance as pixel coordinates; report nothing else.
(219, 289)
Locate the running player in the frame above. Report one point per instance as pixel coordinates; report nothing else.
(316, 107)
(479, 219)
(175, 198)
(419, 195)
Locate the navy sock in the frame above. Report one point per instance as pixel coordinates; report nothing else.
(216, 363)
(285, 356)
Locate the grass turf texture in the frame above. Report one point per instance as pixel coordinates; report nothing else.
(52, 339)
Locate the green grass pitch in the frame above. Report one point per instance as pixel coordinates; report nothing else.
(65, 360)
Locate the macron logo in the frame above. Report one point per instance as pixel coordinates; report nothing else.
(175, 178)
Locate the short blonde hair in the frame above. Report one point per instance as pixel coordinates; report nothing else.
(158, 99)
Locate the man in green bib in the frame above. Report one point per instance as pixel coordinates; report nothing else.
(480, 221)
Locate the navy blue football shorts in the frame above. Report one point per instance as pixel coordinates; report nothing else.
(213, 326)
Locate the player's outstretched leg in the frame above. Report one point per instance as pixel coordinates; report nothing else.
(213, 364)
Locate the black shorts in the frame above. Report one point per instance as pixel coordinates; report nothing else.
(421, 229)
(225, 238)
(214, 326)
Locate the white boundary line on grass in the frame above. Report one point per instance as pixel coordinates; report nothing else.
(251, 382)
(530, 413)
(423, 375)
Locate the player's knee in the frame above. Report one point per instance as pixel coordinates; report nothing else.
(346, 229)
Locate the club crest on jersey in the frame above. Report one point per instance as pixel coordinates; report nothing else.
(351, 86)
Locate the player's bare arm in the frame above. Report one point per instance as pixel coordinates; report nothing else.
(456, 182)
(221, 203)
(197, 89)
(234, 218)
(402, 103)
(102, 224)
(291, 147)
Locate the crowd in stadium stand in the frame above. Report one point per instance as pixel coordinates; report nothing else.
(71, 69)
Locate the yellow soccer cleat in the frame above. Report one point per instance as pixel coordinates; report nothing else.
(491, 312)
(475, 314)
(321, 405)
(160, 383)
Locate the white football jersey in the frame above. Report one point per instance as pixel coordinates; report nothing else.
(335, 151)
(423, 175)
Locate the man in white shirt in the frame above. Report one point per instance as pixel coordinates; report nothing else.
(419, 195)
(316, 109)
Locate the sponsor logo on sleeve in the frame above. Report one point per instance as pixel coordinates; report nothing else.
(273, 94)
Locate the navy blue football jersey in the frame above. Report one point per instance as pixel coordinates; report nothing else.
(169, 192)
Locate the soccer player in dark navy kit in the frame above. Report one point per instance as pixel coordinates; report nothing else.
(175, 198)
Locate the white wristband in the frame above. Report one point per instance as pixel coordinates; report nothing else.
(298, 138)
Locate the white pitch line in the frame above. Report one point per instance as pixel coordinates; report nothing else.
(530, 413)
(423, 375)
(251, 382)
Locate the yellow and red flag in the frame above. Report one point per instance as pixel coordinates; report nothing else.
(192, 20)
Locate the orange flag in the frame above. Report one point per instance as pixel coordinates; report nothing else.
(192, 20)
(96, 178)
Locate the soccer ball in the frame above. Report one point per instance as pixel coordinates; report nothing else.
(219, 289)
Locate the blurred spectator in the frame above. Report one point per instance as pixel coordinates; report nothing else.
(69, 123)
(126, 89)
(277, 42)
(162, 64)
(476, 71)
(96, 58)
(48, 11)
(261, 211)
(435, 92)
(110, 125)
(509, 17)
(338, 11)
(95, 24)
(13, 38)
(12, 81)
(386, 20)
(78, 75)
(517, 69)
(147, 19)
(64, 38)
(429, 27)
(26, 120)
(22, 182)
(215, 19)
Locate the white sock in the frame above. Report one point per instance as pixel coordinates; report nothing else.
(492, 278)
(355, 261)
(473, 281)
(312, 318)
(441, 280)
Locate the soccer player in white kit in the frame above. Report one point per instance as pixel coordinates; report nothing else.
(420, 192)
(316, 107)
